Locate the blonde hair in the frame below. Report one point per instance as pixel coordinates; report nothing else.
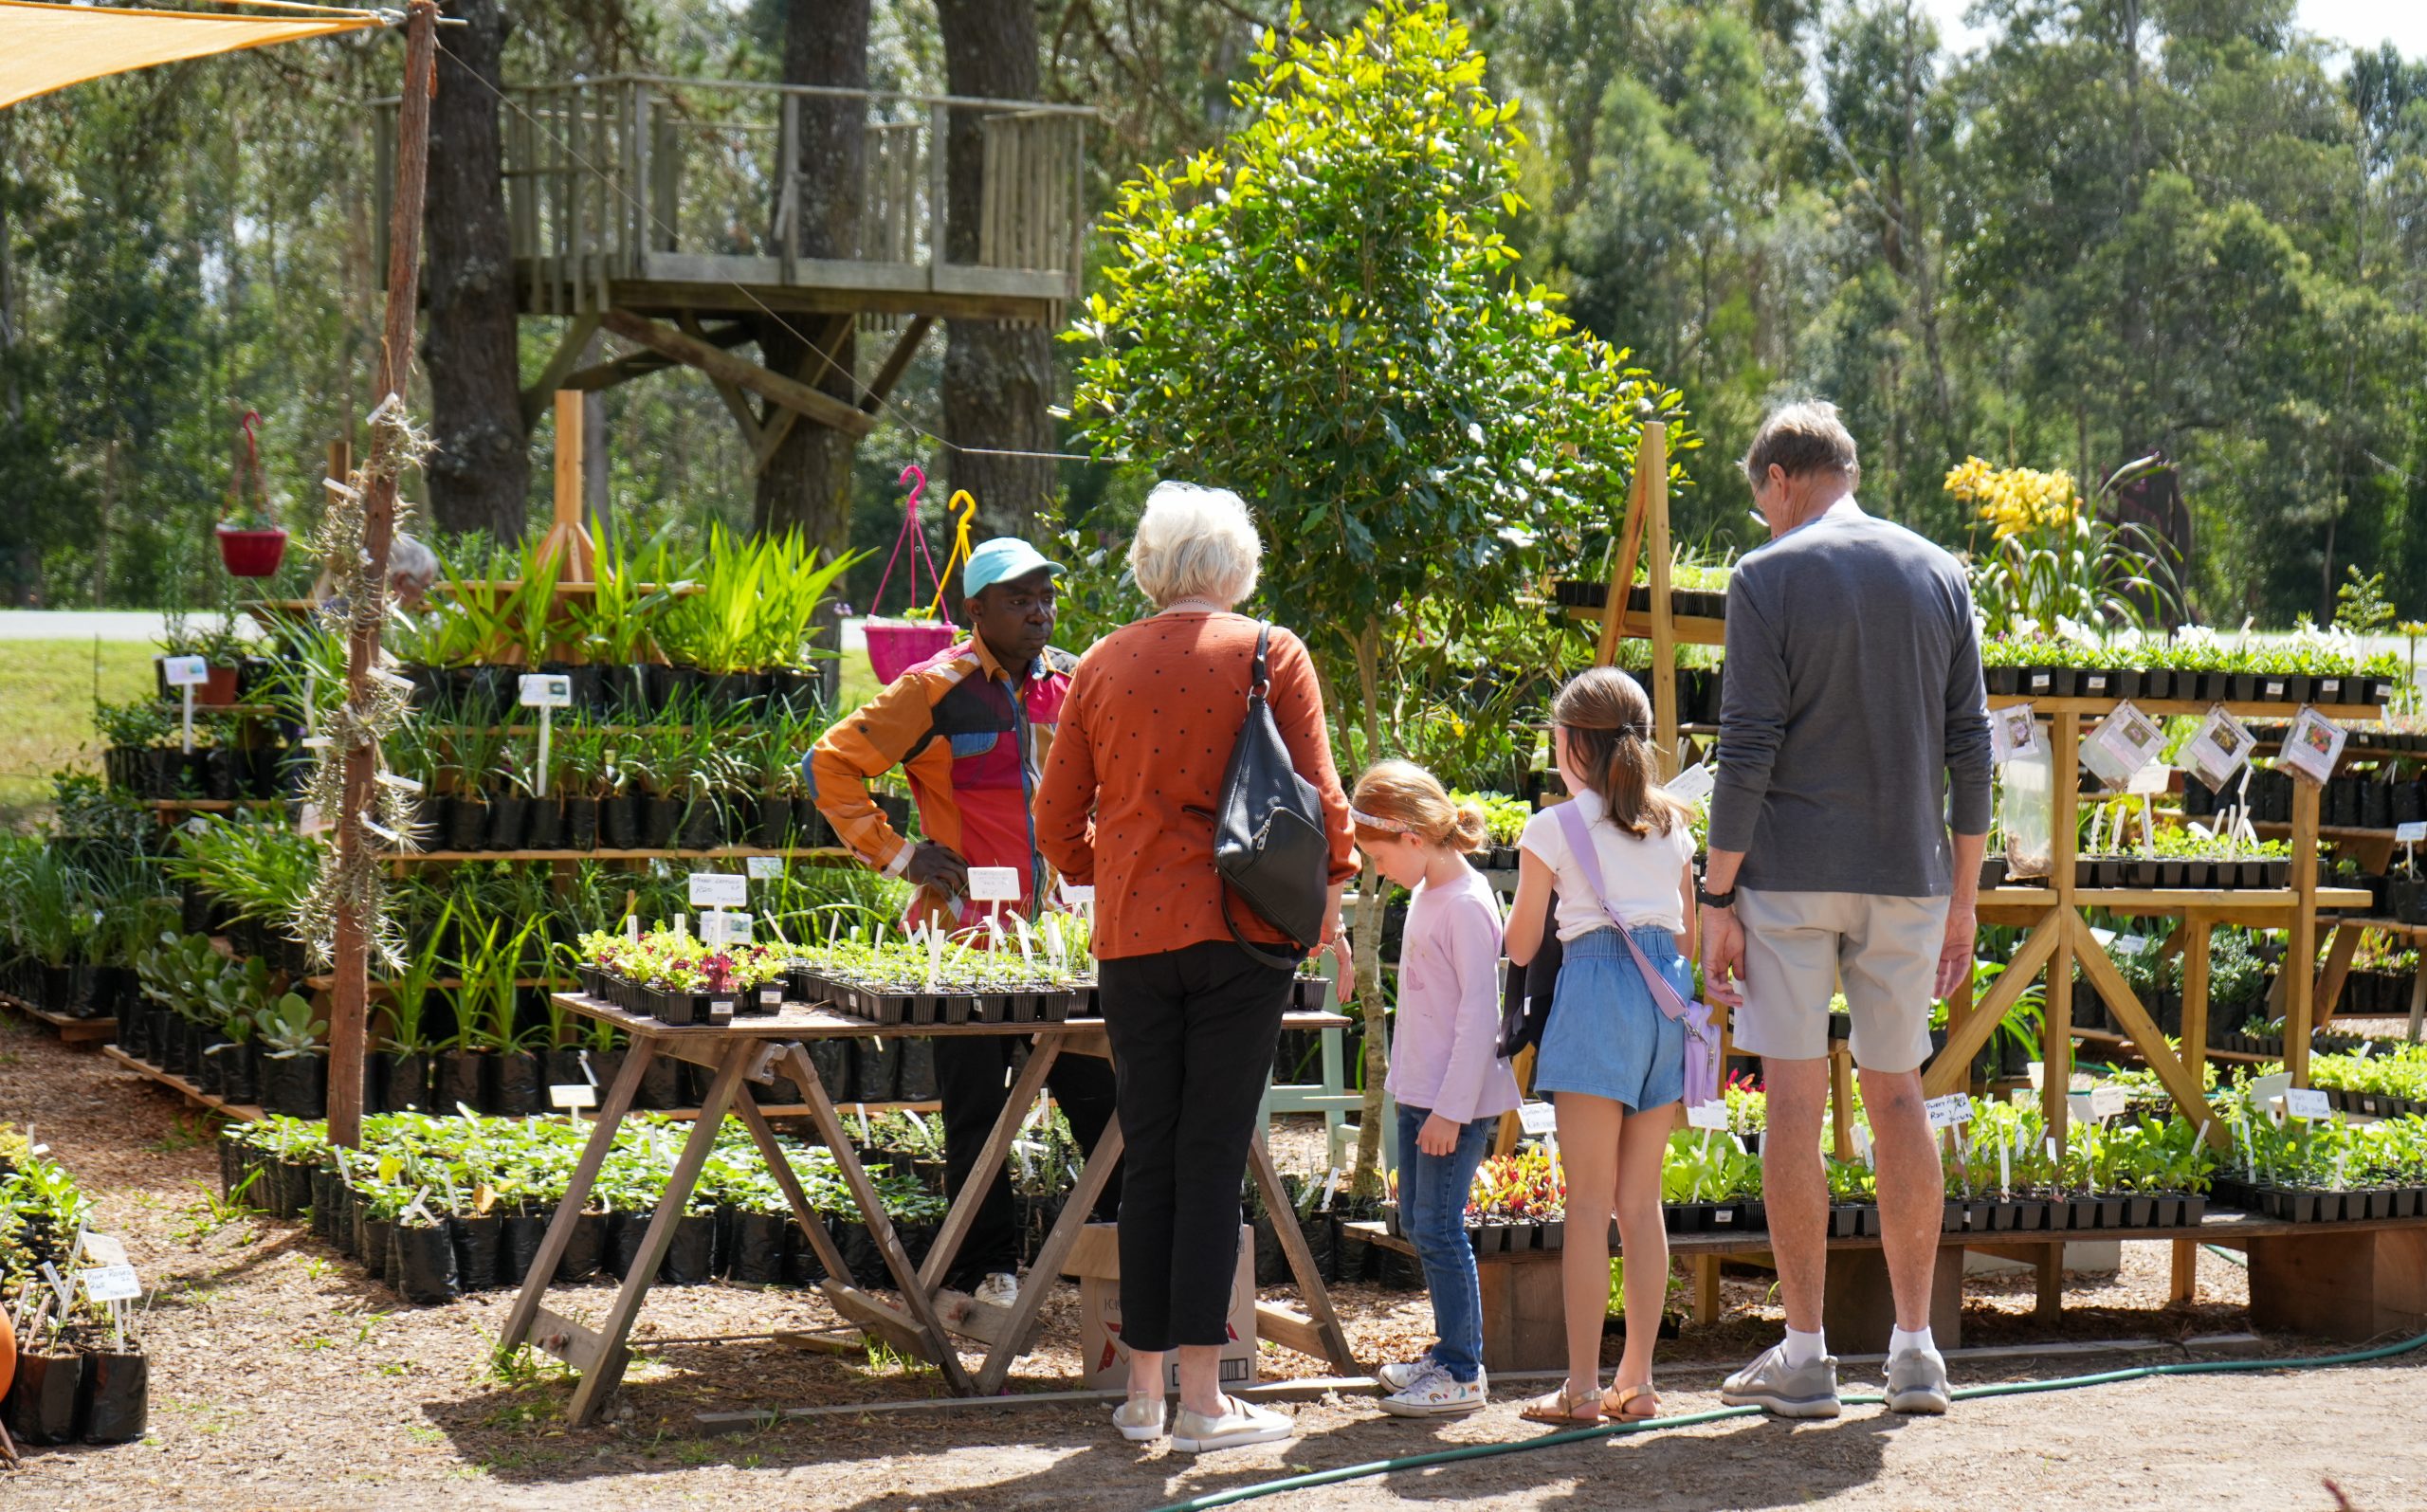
(1412, 801)
(1607, 719)
(1194, 542)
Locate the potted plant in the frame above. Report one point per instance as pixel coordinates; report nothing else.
(403, 1065)
(488, 1004)
(294, 1064)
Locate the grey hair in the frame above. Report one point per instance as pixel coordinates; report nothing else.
(408, 557)
(1194, 542)
(1800, 438)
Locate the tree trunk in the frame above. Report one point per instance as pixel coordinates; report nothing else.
(998, 378)
(480, 477)
(1367, 1181)
(807, 484)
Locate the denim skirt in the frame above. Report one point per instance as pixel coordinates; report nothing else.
(1606, 1037)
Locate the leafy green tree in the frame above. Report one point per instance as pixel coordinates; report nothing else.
(1317, 315)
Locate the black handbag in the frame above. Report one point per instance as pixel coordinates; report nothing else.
(1527, 991)
(1268, 840)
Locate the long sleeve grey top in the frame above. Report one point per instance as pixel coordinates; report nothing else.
(1854, 727)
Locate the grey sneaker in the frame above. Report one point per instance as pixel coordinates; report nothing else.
(1917, 1382)
(1770, 1382)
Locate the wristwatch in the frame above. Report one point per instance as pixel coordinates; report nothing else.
(1714, 899)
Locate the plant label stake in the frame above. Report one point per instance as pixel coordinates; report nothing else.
(719, 889)
(1704, 1116)
(1692, 786)
(1538, 1119)
(186, 673)
(2106, 1101)
(2305, 1103)
(764, 868)
(547, 692)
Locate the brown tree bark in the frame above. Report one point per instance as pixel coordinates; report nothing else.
(480, 477)
(998, 378)
(807, 484)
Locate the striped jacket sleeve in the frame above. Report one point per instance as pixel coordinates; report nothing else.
(868, 743)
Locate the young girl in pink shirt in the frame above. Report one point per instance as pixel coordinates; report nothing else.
(1446, 1071)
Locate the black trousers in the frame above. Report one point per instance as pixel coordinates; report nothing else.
(971, 1082)
(1192, 1034)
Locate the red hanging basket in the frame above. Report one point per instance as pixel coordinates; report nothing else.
(251, 552)
(896, 645)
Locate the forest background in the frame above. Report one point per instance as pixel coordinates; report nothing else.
(2111, 226)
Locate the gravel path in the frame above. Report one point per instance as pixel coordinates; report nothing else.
(282, 1379)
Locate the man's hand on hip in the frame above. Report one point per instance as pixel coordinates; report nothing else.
(1722, 956)
(938, 866)
(1955, 955)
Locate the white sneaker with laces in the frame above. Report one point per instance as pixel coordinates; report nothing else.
(1438, 1394)
(1139, 1420)
(999, 1289)
(1237, 1424)
(1399, 1375)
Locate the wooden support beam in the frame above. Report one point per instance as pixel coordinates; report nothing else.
(2181, 1083)
(2338, 969)
(553, 376)
(693, 352)
(644, 362)
(896, 362)
(1947, 1070)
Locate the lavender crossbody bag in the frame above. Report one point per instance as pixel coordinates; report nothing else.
(1701, 1041)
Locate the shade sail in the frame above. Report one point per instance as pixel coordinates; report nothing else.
(44, 47)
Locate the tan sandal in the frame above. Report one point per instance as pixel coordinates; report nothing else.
(1618, 1402)
(1561, 1410)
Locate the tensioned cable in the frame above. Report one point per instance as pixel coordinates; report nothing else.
(828, 362)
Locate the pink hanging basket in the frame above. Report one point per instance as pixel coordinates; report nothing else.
(897, 646)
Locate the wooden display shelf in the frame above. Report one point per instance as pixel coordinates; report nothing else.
(71, 1031)
(2230, 905)
(2169, 708)
(257, 711)
(823, 855)
(1635, 625)
(210, 804)
(2110, 1037)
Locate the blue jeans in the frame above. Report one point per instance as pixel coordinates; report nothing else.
(1432, 1209)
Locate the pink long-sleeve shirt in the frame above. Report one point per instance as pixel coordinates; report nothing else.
(1444, 1056)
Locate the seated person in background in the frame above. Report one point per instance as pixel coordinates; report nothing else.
(970, 727)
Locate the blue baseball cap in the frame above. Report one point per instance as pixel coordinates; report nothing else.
(1000, 560)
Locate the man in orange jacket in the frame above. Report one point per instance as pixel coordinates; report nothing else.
(970, 727)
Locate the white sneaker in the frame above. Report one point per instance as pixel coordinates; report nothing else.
(1438, 1394)
(1139, 1420)
(1239, 1423)
(999, 1289)
(1398, 1377)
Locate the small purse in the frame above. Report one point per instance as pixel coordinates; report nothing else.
(1702, 1042)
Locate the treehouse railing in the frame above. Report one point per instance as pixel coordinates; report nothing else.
(641, 179)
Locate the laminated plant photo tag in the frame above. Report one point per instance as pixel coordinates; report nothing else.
(2013, 732)
(545, 690)
(2312, 745)
(2121, 744)
(2219, 749)
(185, 671)
(994, 884)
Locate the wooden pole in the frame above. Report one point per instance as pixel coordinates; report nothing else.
(349, 1009)
(2300, 951)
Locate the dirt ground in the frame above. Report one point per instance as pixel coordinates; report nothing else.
(283, 1380)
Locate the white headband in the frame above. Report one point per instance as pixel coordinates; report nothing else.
(1375, 821)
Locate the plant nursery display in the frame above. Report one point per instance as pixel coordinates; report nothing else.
(2324, 1169)
(2195, 665)
(81, 1374)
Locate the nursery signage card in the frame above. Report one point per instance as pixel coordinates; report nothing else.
(2013, 732)
(2122, 743)
(2313, 745)
(2220, 749)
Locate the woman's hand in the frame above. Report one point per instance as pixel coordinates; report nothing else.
(1439, 1136)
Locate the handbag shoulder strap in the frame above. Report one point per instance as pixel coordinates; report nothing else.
(1587, 855)
(1260, 676)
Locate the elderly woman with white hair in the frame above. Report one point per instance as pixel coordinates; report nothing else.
(1193, 1004)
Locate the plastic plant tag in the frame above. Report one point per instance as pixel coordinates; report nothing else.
(1692, 786)
(310, 821)
(185, 671)
(2077, 1107)
(2107, 1102)
(2312, 745)
(2121, 744)
(573, 1095)
(1078, 895)
(2013, 732)
(2152, 781)
(2218, 749)
(2306, 1103)
(994, 884)
(1541, 1117)
(2105, 938)
(111, 1284)
(544, 690)
(719, 889)
(2129, 945)
(716, 930)
(764, 868)
(1331, 1186)
(1712, 1115)
(2409, 834)
(2039, 1071)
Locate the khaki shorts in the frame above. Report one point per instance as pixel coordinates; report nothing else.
(1801, 948)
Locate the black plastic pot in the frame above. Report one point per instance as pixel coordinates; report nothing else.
(239, 1072)
(544, 829)
(580, 832)
(404, 1081)
(660, 818)
(41, 1407)
(619, 822)
(519, 1237)
(690, 1257)
(509, 817)
(510, 1084)
(703, 827)
(467, 822)
(457, 1080)
(114, 1397)
(773, 830)
(876, 1073)
(426, 1274)
(479, 1240)
(757, 1247)
(296, 1085)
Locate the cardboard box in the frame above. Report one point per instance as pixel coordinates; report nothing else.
(1096, 1261)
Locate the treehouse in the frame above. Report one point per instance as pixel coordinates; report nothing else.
(678, 214)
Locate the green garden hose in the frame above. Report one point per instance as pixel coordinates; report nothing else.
(1483, 1451)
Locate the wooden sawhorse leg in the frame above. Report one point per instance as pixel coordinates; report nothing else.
(542, 1274)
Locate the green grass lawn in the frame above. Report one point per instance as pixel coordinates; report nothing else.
(47, 692)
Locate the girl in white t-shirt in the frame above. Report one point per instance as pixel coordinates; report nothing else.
(1613, 1063)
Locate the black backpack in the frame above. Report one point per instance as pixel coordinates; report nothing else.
(1525, 991)
(1269, 840)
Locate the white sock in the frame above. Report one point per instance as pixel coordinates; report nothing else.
(1802, 1348)
(1902, 1340)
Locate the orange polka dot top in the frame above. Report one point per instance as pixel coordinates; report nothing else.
(1146, 734)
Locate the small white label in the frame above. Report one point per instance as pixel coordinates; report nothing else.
(2152, 781)
(546, 690)
(111, 1284)
(2409, 834)
(719, 889)
(1539, 1118)
(1078, 895)
(2306, 1103)
(2107, 1102)
(185, 671)
(2077, 1107)
(573, 1095)
(1950, 1111)
(994, 884)
(2039, 1071)
(1691, 786)
(309, 820)
(764, 868)
(2129, 945)
(1706, 1115)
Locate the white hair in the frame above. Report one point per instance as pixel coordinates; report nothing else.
(1194, 542)
(409, 559)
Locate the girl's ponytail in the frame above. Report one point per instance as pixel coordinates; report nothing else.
(1607, 719)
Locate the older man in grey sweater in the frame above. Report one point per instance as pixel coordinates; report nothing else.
(1846, 830)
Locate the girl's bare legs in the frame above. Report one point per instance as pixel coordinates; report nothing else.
(1637, 1199)
(1589, 1130)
